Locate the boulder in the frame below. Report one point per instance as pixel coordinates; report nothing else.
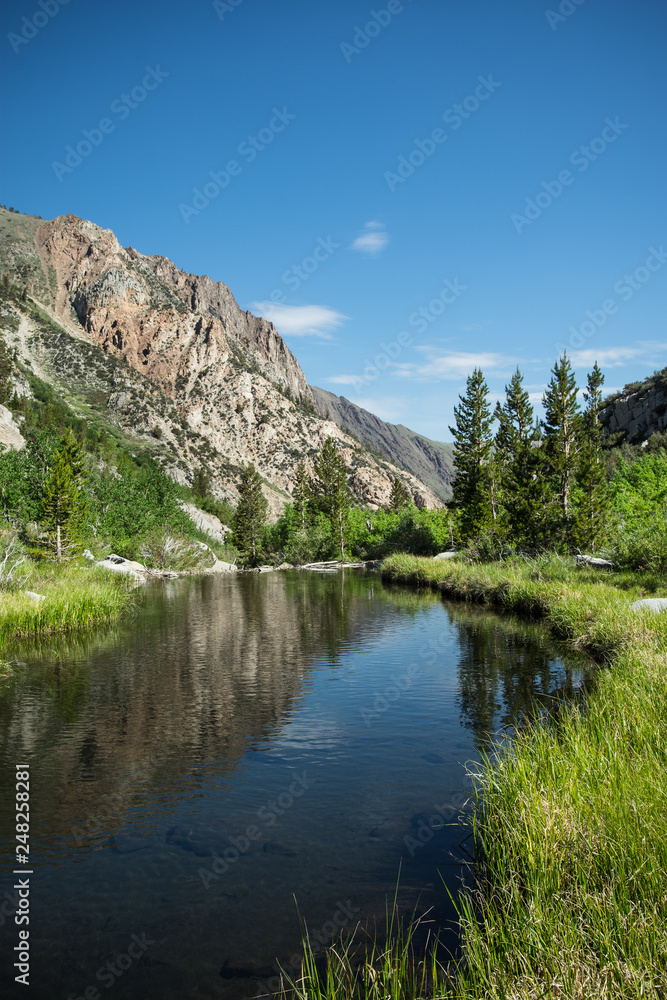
(119, 565)
(208, 523)
(594, 563)
(655, 605)
(35, 597)
(446, 555)
(10, 435)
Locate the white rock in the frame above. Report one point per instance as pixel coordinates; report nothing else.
(594, 563)
(35, 597)
(653, 604)
(446, 555)
(10, 435)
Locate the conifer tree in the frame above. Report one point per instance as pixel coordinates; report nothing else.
(301, 494)
(523, 494)
(561, 437)
(250, 515)
(330, 492)
(591, 477)
(472, 449)
(398, 497)
(201, 483)
(62, 505)
(6, 367)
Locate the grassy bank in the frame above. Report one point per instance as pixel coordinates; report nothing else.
(571, 823)
(75, 597)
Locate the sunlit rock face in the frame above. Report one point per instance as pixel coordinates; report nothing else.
(172, 359)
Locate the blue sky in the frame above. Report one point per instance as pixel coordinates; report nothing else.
(408, 189)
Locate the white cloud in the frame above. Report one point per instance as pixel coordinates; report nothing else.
(373, 240)
(388, 408)
(345, 379)
(300, 321)
(455, 365)
(614, 357)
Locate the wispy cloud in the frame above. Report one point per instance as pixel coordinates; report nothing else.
(387, 408)
(455, 364)
(301, 321)
(616, 357)
(372, 240)
(345, 379)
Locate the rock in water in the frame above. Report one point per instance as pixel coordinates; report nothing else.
(200, 839)
(271, 847)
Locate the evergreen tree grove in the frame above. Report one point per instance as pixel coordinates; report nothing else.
(472, 450)
(250, 515)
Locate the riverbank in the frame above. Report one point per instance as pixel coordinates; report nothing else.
(62, 599)
(571, 824)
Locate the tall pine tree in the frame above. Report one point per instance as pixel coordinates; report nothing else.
(517, 437)
(591, 477)
(398, 497)
(63, 500)
(250, 514)
(472, 449)
(330, 492)
(561, 439)
(301, 495)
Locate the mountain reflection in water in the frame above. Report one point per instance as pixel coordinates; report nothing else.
(242, 742)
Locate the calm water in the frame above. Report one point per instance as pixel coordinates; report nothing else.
(242, 746)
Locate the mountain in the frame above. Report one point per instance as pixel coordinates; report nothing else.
(170, 360)
(636, 413)
(430, 461)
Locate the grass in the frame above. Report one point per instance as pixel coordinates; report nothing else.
(76, 597)
(570, 901)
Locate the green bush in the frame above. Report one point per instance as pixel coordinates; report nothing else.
(638, 523)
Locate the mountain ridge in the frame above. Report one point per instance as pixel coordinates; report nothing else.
(431, 461)
(172, 360)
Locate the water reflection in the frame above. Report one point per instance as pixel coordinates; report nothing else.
(327, 714)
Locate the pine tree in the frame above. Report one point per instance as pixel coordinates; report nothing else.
(591, 478)
(561, 437)
(201, 483)
(63, 503)
(522, 493)
(301, 494)
(250, 515)
(330, 492)
(472, 449)
(6, 368)
(398, 498)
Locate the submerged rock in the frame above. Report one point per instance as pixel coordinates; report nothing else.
(200, 839)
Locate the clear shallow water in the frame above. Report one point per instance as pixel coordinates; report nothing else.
(242, 746)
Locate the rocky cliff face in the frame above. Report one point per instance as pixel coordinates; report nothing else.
(172, 360)
(638, 412)
(430, 461)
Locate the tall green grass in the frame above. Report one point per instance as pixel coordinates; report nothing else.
(570, 901)
(75, 598)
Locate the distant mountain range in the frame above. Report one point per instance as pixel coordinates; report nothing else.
(430, 461)
(170, 361)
